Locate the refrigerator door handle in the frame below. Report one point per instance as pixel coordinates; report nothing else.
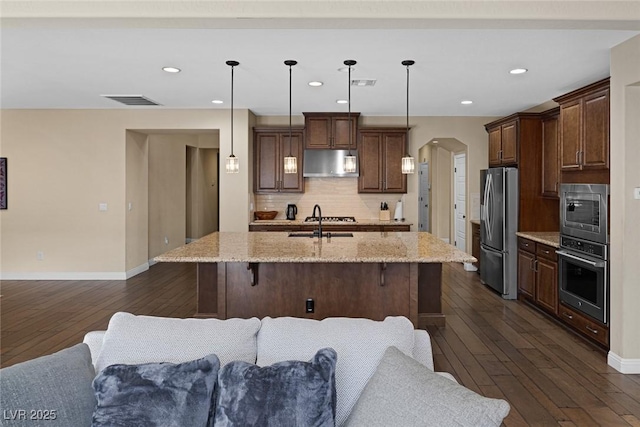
(489, 205)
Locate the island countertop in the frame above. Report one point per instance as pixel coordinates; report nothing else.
(277, 247)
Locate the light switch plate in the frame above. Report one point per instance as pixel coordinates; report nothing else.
(636, 193)
(102, 207)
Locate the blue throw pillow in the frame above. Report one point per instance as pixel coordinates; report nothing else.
(284, 394)
(156, 394)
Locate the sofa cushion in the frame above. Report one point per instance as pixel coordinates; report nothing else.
(403, 392)
(292, 393)
(156, 394)
(144, 339)
(359, 343)
(54, 389)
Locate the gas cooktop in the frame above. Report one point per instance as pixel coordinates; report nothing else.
(331, 219)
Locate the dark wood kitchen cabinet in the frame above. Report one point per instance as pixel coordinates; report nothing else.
(584, 127)
(503, 144)
(330, 130)
(523, 149)
(381, 151)
(271, 145)
(538, 274)
(550, 153)
(475, 243)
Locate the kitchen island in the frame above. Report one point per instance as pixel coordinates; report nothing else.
(371, 275)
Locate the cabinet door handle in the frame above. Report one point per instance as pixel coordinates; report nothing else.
(500, 154)
(590, 329)
(546, 252)
(535, 265)
(567, 315)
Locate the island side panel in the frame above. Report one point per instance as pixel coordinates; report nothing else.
(369, 290)
(207, 300)
(430, 295)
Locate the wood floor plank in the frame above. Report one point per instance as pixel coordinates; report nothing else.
(499, 348)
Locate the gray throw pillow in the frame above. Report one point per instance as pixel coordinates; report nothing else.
(156, 394)
(403, 392)
(49, 390)
(291, 393)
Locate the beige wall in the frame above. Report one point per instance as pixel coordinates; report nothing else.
(208, 218)
(137, 200)
(625, 210)
(64, 163)
(441, 197)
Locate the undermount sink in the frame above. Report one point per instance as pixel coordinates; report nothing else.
(328, 235)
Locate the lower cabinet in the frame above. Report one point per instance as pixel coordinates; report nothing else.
(475, 244)
(538, 274)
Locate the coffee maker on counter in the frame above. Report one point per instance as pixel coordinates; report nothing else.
(292, 210)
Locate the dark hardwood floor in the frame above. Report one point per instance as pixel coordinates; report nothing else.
(498, 348)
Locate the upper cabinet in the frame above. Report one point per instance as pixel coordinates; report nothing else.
(271, 146)
(584, 127)
(381, 151)
(503, 143)
(330, 130)
(550, 153)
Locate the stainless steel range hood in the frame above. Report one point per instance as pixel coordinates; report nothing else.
(327, 163)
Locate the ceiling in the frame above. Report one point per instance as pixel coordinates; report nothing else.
(46, 67)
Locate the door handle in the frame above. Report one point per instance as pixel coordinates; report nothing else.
(567, 315)
(535, 266)
(586, 261)
(590, 329)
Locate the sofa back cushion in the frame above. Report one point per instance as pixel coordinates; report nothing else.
(359, 344)
(144, 339)
(50, 390)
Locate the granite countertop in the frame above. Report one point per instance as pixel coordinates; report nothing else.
(401, 247)
(551, 238)
(359, 221)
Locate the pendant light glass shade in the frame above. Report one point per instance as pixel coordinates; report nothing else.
(349, 164)
(290, 162)
(232, 163)
(408, 163)
(233, 166)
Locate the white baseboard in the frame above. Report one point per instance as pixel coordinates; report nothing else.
(152, 262)
(137, 270)
(625, 366)
(64, 276)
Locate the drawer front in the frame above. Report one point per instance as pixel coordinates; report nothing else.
(584, 325)
(545, 251)
(527, 245)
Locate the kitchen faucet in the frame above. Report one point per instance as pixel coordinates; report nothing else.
(313, 214)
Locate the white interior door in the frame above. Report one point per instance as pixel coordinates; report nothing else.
(423, 198)
(460, 200)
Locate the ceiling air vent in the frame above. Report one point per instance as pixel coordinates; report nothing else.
(363, 82)
(132, 99)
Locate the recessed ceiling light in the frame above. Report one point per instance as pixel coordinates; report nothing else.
(218, 101)
(434, 141)
(466, 102)
(518, 71)
(315, 84)
(171, 69)
(342, 101)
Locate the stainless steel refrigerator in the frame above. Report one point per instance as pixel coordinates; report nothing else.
(498, 226)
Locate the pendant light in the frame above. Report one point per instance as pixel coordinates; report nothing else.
(232, 161)
(349, 159)
(408, 163)
(290, 162)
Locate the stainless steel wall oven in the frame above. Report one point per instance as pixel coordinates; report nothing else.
(583, 259)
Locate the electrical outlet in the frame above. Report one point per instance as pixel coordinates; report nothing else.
(40, 256)
(102, 207)
(636, 193)
(310, 306)
(130, 206)
(166, 240)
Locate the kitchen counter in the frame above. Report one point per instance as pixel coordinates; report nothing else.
(551, 238)
(373, 221)
(370, 275)
(403, 247)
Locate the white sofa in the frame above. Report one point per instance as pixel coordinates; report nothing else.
(377, 374)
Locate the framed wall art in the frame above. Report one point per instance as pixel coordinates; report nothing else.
(3, 183)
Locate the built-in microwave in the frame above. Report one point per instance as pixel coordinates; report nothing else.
(583, 211)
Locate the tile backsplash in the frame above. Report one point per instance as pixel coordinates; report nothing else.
(336, 197)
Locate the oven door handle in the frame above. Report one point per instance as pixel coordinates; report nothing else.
(598, 264)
